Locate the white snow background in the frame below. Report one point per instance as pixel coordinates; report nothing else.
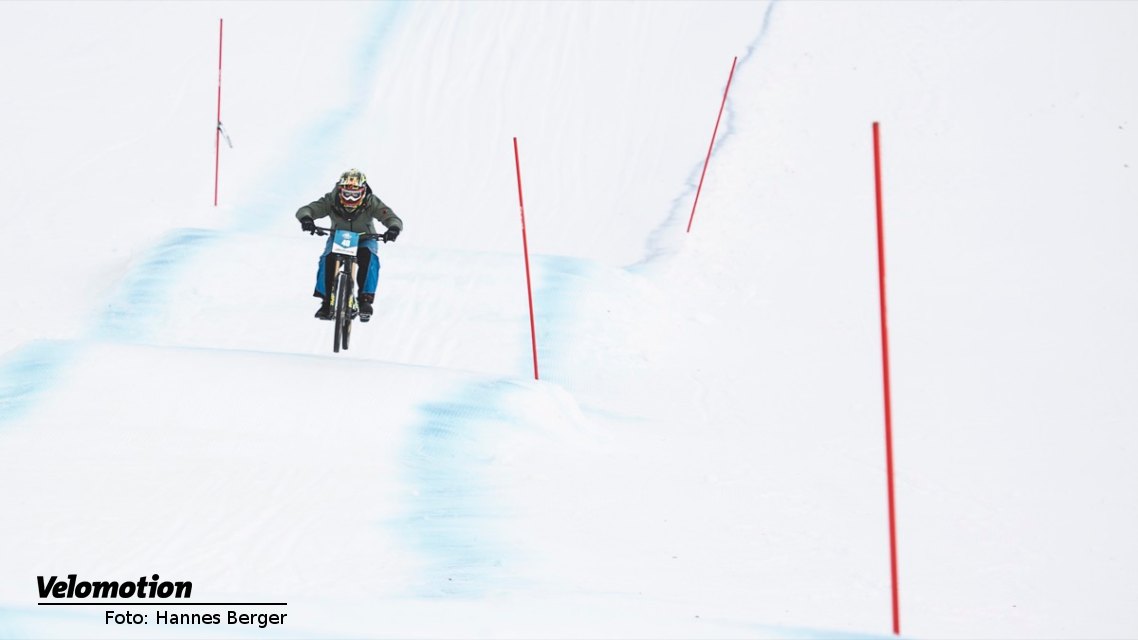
(703, 455)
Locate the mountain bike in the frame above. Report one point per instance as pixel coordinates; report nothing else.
(345, 245)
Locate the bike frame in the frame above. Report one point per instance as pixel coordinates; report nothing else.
(342, 294)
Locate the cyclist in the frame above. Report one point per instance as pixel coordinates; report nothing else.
(352, 206)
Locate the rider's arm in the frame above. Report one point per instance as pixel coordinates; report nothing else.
(321, 208)
(385, 215)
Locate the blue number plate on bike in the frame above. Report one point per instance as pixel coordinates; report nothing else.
(346, 242)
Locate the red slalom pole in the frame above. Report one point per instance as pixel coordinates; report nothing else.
(712, 145)
(525, 251)
(217, 132)
(885, 372)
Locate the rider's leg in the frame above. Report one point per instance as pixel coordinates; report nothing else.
(325, 270)
(324, 275)
(329, 268)
(367, 277)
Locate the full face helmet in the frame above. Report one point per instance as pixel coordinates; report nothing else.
(352, 188)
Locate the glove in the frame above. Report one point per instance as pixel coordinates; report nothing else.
(306, 224)
(391, 234)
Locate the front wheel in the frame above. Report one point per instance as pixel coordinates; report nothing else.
(342, 310)
(349, 311)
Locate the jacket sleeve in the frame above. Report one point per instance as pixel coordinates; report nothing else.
(321, 208)
(385, 215)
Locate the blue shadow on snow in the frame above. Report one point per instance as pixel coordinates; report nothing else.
(142, 293)
(451, 516)
(27, 371)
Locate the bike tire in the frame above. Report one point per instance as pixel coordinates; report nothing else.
(348, 311)
(342, 311)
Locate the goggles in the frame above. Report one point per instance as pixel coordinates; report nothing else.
(352, 194)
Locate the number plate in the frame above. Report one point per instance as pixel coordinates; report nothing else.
(346, 242)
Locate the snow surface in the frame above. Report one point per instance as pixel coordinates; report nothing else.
(703, 455)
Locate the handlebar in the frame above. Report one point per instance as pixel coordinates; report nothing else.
(323, 231)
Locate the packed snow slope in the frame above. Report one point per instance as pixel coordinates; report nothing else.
(703, 454)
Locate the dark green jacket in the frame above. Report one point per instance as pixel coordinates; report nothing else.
(359, 220)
